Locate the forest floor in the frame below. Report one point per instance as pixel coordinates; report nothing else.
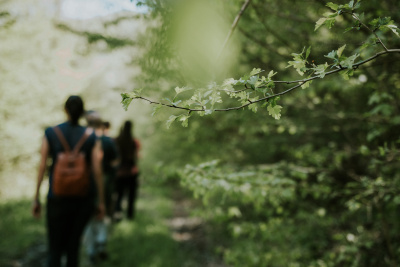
(164, 233)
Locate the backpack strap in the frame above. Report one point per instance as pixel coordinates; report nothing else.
(65, 143)
(61, 137)
(81, 142)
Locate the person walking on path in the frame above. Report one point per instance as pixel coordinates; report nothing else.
(68, 212)
(96, 233)
(127, 171)
(110, 160)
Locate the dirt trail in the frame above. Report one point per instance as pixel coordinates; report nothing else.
(35, 256)
(191, 233)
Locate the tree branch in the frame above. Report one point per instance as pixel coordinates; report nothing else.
(299, 84)
(234, 24)
(372, 31)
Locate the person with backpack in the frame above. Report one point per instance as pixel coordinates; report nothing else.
(75, 184)
(127, 171)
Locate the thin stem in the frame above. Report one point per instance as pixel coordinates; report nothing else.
(234, 24)
(373, 32)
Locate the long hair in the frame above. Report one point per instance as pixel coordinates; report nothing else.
(127, 146)
(74, 108)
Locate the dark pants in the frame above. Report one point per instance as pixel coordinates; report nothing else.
(108, 192)
(128, 183)
(66, 220)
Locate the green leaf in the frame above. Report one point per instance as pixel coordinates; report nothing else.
(306, 84)
(329, 22)
(228, 84)
(307, 52)
(253, 81)
(347, 73)
(394, 29)
(242, 95)
(349, 29)
(320, 70)
(379, 22)
(299, 63)
(234, 212)
(273, 101)
(255, 71)
(332, 55)
(215, 97)
(135, 93)
(207, 93)
(319, 23)
(348, 62)
(275, 111)
(126, 101)
(184, 119)
(330, 15)
(384, 109)
(271, 74)
(179, 90)
(374, 98)
(271, 85)
(156, 108)
(208, 112)
(254, 107)
(170, 120)
(332, 6)
(340, 50)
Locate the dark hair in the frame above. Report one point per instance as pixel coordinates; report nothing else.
(106, 124)
(74, 108)
(126, 145)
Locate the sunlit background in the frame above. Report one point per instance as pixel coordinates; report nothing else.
(41, 65)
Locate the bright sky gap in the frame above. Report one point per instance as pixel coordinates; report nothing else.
(87, 9)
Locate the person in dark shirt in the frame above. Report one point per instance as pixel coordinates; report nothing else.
(109, 165)
(127, 172)
(67, 216)
(96, 233)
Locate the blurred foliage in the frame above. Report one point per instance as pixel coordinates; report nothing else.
(319, 186)
(111, 42)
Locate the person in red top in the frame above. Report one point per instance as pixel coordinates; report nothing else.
(127, 172)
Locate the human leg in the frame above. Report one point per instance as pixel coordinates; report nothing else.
(81, 211)
(133, 185)
(56, 231)
(90, 239)
(119, 189)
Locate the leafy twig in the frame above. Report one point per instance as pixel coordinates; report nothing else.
(299, 84)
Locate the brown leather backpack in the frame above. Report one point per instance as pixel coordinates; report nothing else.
(71, 172)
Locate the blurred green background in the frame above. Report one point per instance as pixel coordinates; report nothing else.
(319, 187)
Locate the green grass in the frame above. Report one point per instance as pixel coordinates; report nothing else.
(146, 241)
(18, 230)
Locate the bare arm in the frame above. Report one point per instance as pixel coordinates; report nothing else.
(44, 152)
(97, 157)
